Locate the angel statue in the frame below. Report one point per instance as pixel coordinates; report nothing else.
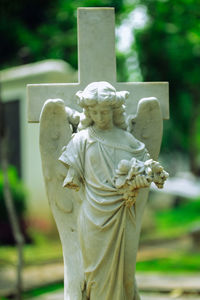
(97, 182)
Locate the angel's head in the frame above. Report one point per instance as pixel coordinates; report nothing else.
(102, 106)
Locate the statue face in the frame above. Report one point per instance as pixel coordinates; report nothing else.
(102, 116)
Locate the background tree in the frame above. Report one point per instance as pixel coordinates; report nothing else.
(36, 30)
(169, 50)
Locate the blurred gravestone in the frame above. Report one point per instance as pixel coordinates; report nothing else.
(23, 138)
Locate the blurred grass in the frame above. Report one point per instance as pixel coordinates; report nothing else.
(42, 250)
(177, 262)
(174, 222)
(43, 290)
(178, 221)
(169, 223)
(40, 291)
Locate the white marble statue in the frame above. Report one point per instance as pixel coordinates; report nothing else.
(98, 188)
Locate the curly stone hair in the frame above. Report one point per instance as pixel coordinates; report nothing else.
(102, 92)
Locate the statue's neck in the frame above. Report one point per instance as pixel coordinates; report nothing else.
(112, 136)
(107, 131)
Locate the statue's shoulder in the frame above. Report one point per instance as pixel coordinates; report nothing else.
(81, 136)
(131, 140)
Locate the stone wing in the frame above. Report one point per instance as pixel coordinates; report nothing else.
(55, 132)
(147, 125)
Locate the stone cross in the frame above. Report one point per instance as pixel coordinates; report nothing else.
(97, 62)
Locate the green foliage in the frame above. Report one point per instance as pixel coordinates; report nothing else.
(18, 194)
(169, 50)
(37, 30)
(122, 75)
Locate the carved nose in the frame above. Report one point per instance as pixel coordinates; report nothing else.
(99, 117)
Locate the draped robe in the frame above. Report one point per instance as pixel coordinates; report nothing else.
(108, 231)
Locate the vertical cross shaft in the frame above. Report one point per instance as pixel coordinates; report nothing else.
(96, 44)
(97, 62)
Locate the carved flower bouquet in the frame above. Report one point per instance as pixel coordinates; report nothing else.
(135, 174)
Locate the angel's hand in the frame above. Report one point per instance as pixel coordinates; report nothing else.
(141, 181)
(160, 179)
(72, 115)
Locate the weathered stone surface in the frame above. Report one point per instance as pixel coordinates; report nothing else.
(99, 253)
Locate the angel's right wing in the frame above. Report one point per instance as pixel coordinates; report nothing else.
(55, 132)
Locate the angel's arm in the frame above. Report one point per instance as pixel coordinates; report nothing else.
(69, 176)
(71, 159)
(72, 180)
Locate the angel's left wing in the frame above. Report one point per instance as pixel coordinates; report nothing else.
(147, 125)
(55, 132)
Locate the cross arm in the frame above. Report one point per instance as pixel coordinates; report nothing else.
(139, 90)
(37, 94)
